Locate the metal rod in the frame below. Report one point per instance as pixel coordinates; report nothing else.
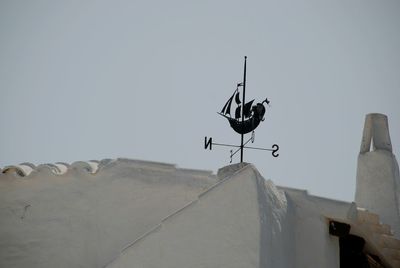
(238, 146)
(256, 148)
(246, 142)
(243, 103)
(226, 145)
(232, 154)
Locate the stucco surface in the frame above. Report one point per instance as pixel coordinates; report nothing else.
(128, 213)
(378, 180)
(85, 219)
(378, 186)
(240, 222)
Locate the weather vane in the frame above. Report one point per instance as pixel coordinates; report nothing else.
(246, 119)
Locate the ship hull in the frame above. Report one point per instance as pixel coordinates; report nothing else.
(244, 127)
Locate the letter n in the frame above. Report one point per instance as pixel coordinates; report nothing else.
(207, 143)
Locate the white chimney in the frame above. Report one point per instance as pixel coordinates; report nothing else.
(378, 181)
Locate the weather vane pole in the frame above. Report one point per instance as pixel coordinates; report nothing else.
(244, 101)
(247, 118)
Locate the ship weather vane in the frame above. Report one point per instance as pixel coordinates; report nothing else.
(246, 119)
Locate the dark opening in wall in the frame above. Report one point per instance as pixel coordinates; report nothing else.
(351, 252)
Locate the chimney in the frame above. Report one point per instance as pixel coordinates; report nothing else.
(378, 181)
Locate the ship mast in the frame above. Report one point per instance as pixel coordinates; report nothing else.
(243, 102)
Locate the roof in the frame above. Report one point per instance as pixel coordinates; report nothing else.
(127, 213)
(84, 214)
(379, 237)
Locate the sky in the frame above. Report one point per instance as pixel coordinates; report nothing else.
(83, 80)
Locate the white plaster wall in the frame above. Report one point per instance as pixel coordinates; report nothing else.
(314, 246)
(238, 223)
(378, 180)
(378, 186)
(80, 219)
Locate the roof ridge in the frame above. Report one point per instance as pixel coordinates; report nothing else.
(59, 168)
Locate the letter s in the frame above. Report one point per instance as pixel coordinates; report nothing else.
(274, 152)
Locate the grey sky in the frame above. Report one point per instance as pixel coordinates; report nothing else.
(83, 80)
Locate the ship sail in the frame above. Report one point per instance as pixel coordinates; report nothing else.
(247, 109)
(238, 112)
(237, 98)
(227, 106)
